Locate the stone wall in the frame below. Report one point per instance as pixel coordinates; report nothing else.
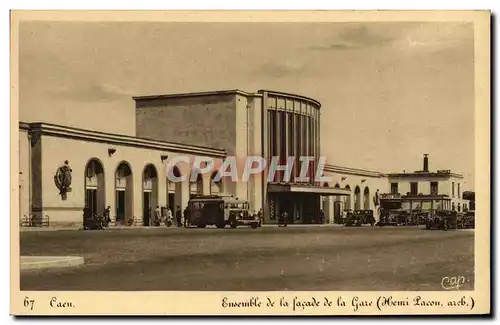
(202, 120)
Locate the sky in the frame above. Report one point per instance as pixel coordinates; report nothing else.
(390, 92)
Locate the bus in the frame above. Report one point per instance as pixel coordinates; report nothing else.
(220, 211)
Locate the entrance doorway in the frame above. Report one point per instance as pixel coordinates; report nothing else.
(171, 202)
(94, 187)
(91, 200)
(120, 205)
(174, 189)
(147, 208)
(337, 212)
(149, 194)
(124, 188)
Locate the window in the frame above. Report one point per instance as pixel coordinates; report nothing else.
(290, 134)
(414, 188)
(458, 205)
(272, 133)
(458, 191)
(452, 189)
(394, 188)
(434, 188)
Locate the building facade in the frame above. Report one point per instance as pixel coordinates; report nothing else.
(266, 124)
(64, 169)
(427, 190)
(126, 173)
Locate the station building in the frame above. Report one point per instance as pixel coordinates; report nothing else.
(266, 124)
(128, 173)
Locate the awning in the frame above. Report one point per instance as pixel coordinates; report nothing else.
(304, 188)
(425, 197)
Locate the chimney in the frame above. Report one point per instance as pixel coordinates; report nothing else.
(426, 162)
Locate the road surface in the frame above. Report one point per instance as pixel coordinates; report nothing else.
(292, 258)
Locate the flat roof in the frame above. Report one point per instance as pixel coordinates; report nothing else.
(425, 174)
(259, 93)
(196, 94)
(295, 96)
(353, 171)
(119, 139)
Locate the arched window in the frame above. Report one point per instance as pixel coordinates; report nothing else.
(124, 188)
(357, 198)
(366, 199)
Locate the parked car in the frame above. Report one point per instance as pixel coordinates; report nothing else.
(394, 217)
(443, 220)
(359, 218)
(466, 220)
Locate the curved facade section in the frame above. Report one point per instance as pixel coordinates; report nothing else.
(293, 130)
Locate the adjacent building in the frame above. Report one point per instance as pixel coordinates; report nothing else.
(428, 190)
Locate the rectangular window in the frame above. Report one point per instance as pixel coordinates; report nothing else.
(298, 143)
(272, 134)
(414, 188)
(291, 149)
(434, 188)
(394, 188)
(283, 141)
(452, 189)
(271, 102)
(309, 149)
(281, 103)
(458, 189)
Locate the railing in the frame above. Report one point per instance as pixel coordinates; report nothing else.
(390, 196)
(34, 220)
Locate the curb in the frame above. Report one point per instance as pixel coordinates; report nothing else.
(297, 225)
(42, 262)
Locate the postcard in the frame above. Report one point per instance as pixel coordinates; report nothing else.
(250, 162)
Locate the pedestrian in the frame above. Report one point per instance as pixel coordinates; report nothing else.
(321, 216)
(284, 218)
(178, 216)
(106, 214)
(168, 221)
(186, 217)
(376, 200)
(260, 216)
(157, 214)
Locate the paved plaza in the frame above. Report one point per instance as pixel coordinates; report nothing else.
(269, 258)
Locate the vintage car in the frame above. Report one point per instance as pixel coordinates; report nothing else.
(353, 219)
(394, 217)
(421, 217)
(465, 220)
(369, 218)
(207, 210)
(359, 217)
(443, 220)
